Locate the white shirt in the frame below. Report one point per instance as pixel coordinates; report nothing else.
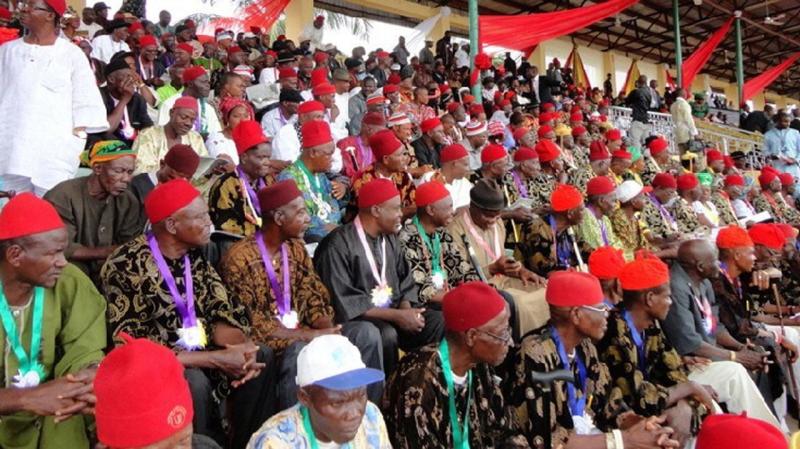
(273, 121)
(681, 113)
(342, 102)
(103, 47)
(313, 34)
(459, 190)
(268, 75)
(90, 30)
(462, 58)
(207, 112)
(47, 92)
(218, 144)
(286, 147)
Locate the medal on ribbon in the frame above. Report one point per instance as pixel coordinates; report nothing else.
(289, 320)
(282, 293)
(434, 246)
(381, 294)
(192, 338)
(31, 372)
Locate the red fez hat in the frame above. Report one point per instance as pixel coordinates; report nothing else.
(375, 192)
(728, 161)
(142, 395)
(576, 117)
(286, 73)
(613, 134)
(148, 40)
(767, 235)
(271, 53)
(544, 130)
(573, 289)
(430, 192)
(786, 179)
(644, 273)
(548, 106)
(310, 106)
(621, 154)
(382, 54)
(687, 181)
(247, 135)
(59, 6)
(185, 47)
(320, 57)
(135, 26)
(468, 99)
(525, 154)
(279, 194)
(323, 89)
(565, 197)
(192, 73)
(391, 88)
(186, 102)
(167, 198)
(657, 145)
(451, 107)
(452, 153)
(606, 262)
(316, 132)
(664, 181)
(476, 109)
(430, 124)
(733, 237)
(384, 143)
(726, 431)
(600, 185)
(598, 151)
(378, 99)
(183, 159)
(546, 117)
(788, 230)
(471, 305)
(319, 76)
(578, 131)
(492, 152)
(734, 180)
(16, 217)
(394, 79)
(374, 118)
(766, 177)
(5, 13)
(547, 150)
(519, 133)
(712, 156)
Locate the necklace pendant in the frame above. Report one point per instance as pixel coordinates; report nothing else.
(289, 320)
(437, 279)
(381, 296)
(192, 338)
(28, 379)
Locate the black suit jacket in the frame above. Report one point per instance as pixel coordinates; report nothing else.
(137, 111)
(546, 85)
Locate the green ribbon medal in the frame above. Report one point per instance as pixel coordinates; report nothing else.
(460, 432)
(438, 276)
(31, 372)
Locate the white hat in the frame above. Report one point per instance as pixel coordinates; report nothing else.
(628, 190)
(224, 35)
(395, 67)
(475, 128)
(249, 35)
(332, 362)
(398, 118)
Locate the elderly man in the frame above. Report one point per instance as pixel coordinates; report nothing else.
(164, 277)
(519, 182)
(601, 200)
(272, 275)
(308, 172)
(605, 263)
(284, 114)
(428, 146)
(333, 409)
(196, 84)
(630, 229)
(233, 200)
(657, 212)
(180, 162)
(127, 110)
(53, 331)
(99, 211)
(356, 152)
(583, 407)
(454, 160)
(433, 380)
(599, 165)
(715, 358)
(288, 143)
(152, 144)
(362, 266)
(476, 137)
(771, 199)
(58, 89)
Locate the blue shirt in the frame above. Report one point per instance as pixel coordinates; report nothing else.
(316, 230)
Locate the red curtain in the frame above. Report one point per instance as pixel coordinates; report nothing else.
(695, 62)
(525, 31)
(262, 13)
(759, 83)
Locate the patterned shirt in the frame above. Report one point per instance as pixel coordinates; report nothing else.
(596, 232)
(286, 431)
(659, 220)
(229, 210)
(686, 218)
(243, 271)
(542, 251)
(315, 196)
(630, 231)
(151, 146)
(777, 207)
(727, 216)
(402, 180)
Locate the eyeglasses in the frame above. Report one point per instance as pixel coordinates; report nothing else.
(29, 5)
(505, 338)
(604, 309)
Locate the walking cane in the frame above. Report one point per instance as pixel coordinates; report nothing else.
(473, 258)
(790, 368)
(545, 382)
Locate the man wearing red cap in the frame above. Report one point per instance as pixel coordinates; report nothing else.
(657, 212)
(643, 364)
(288, 144)
(428, 146)
(180, 162)
(553, 172)
(152, 144)
(583, 408)
(520, 182)
(391, 162)
(599, 163)
(196, 84)
(613, 139)
(601, 200)
(788, 189)
(160, 286)
(456, 396)
(308, 172)
(658, 160)
(771, 199)
(689, 192)
(149, 68)
(355, 150)
(454, 160)
(722, 198)
(605, 263)
(286, 317)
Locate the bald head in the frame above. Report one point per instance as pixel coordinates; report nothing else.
(699, 257)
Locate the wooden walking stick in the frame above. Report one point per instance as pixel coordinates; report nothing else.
(790, 368)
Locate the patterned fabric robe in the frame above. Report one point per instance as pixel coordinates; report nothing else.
(227, 207)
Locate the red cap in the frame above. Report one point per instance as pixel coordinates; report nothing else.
(374, 118)
(664, 180)
(185, 47)
(378, 99)
(468, 99)
(233, 49)
(734, 180)
(578, 131)
(192, 73)
(142, 395)
(286, 73)
(789, 231)
(576, 117)
(600, 185)
(5, 13)
(391, 88)
(59, 6)
(573, 289)
(713, 155)
(148, 40)
(315, 133)
(525, 154)
(167, 198)
(183, 159)
(471, 305)
(727, 431)
(279, 194)
(728, 162)
(544, 130)
(658, 145)
(598, 151)
(452, 153)
(519, 133)
(310, 106)
(430, 124)
(384, 143)
(451, 107)
(733, 237)
(323, 89)
(548, 106)
(565, 197)
(476, 109)
(186, 102)
(135, 26)
(786, 179)
(319, 76)
(492, 152)
(394, 79)
(15, 217)
(643, 274)
(375, 192)
(547, 117)
(320, 57)
(767, 176)
(430, 192)
(621, 154)
(767, 235)
(613, 134)
(687, 181)
(606, 262)
(547, 150)
(247, 135)
(382, 54)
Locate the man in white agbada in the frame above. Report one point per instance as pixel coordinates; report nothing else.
(107, 45)
(681, 112)
(49, 100)
(313, 33)
(286, 146)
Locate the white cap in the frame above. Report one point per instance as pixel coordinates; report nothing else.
(398, 118)
(395, 67)
(475, 128)
(249, 35)
(628, 191)
(332, 362)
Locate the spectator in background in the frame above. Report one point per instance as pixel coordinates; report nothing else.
(795, 124)
(426, 57)
(685, 129)
(400, 51)
(639, 100)
(760, 121)
(163, 26)
(107, 45)
(89, 27)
